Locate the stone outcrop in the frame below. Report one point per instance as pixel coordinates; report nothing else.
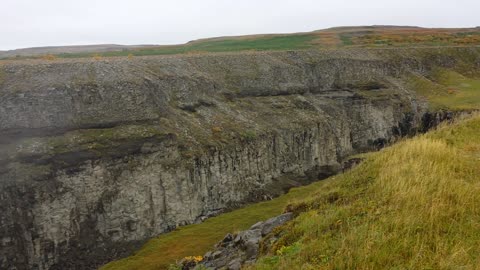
(98, 156)
(239, 249)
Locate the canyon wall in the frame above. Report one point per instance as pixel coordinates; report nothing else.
(97, 156)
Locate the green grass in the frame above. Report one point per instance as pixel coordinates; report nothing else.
(346, 40)
(2, 76)
(411, 206)
(288, 42)
(448, 89)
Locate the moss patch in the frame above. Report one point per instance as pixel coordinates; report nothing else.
(93, 140)
(2, 76)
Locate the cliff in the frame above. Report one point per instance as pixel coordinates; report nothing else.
(99, 155)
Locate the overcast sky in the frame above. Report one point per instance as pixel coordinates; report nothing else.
(32, 23)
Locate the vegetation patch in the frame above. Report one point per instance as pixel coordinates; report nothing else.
(2, 76)
(346, 40)
(85, 140)
(284, 42)
(249, 135)
(447, 89)
(411, 206)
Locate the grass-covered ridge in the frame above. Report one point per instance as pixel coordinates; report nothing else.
(361, 36)
(411, 206)
(263, 43)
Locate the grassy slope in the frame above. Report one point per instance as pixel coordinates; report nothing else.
(377, 37)
(415, 205)
(287, 42)
(447, 89)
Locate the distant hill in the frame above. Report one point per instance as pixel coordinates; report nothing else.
(69, 49)
(354, 36)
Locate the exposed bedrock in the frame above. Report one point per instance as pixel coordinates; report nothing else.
(98, 156)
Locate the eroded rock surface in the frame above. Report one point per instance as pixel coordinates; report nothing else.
(239, 249)
(98, 156)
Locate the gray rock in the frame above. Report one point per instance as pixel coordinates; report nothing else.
(217, 254)
(250, 235)
(208, 255)
(244, 247)
(257, 225)
(235, 264)
(227, 238)
(251, 248)
(270, 224)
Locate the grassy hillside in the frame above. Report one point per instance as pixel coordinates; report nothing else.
(288, 42)
(366, 36)
(415, 205)
(448, 89)
(411, 206)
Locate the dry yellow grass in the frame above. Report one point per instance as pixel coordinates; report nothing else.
(97, 56)
(412, 206)
(48, 57)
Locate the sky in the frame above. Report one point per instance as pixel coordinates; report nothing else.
(35, 23)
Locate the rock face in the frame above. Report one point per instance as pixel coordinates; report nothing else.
(98, 156)
(243, 248)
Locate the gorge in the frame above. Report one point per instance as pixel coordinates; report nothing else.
(99, 155)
